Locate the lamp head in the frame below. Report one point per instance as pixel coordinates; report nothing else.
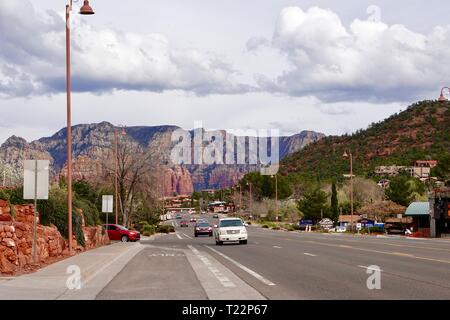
(442, 98)
(86, 8)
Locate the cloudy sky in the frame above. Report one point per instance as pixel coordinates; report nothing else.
(329, 66)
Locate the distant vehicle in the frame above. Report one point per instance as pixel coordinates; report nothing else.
(179, 216)
(118, 232)
(230, 229)
(215, 216)
(184, 223)
(203, 228)
(193, 220)
(395, 229)
(302, 224)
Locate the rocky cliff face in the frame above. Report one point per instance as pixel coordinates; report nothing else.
(93, 145)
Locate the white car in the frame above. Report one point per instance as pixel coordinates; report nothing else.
(230, 230)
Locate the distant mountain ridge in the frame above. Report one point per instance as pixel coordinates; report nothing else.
(91, 142)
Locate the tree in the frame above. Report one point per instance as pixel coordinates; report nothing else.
(334, 202)
(138, 174)
(403, 190)
(313, 203)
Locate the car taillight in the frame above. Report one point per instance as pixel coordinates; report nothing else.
(198, 229)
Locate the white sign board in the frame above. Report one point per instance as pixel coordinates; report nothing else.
(30, 179)
(326, 223)
(107, 204)
(359, 226)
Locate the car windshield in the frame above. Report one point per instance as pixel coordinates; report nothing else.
(203, 225)
(123, 228)
(231, 223)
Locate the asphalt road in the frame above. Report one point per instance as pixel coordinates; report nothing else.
(284, 265)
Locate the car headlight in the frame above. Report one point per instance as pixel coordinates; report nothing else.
(244, 231)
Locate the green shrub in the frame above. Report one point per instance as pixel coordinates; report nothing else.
(54, 211)
(265, 226)
(148, 230)
(164, 228)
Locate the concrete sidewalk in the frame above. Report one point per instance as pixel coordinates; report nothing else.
(96, 268)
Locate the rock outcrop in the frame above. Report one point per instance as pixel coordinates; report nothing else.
(16, 241)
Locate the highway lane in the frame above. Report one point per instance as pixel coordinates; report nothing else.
(293, 265)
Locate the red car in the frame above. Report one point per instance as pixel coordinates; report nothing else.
(184, 223)
(203, 228)
(118, 232)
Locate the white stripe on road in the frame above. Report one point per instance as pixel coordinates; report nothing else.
(249, 271)
(178, 236)
(187, 236)
(310, 254)
(277, 247)
(219, 276)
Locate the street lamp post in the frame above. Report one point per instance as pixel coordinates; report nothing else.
(251, 199)
(85, 10)
(116, 173)
(348, 155)
(442, 98)
(240, 197)
(276, 193)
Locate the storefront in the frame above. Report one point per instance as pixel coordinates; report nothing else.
(420, 213)
(440, 213)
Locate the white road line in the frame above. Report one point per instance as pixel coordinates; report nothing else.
(178, 236)
(219, 276)
(277, 247)
(249, 271)
(310, 254)
(367, 268)
(187, 236)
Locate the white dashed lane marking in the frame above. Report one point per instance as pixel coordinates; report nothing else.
(219, 276)
(249, 271)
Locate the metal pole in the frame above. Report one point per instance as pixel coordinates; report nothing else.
(351, 188)
(276, 194)
(116, 160)
(240, 197)
(251, 198)
(35, 210)
(69, 129)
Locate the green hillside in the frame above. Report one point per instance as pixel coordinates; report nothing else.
(419, 133)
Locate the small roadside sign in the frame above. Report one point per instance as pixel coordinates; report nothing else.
(107, 204)
(359, 226)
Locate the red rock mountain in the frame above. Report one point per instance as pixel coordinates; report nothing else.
(92, 144)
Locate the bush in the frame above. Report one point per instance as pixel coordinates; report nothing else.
(165, 228)
(54, 211)
(265, 226)
(148, 230)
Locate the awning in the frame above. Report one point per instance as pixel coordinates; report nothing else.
(418, 209)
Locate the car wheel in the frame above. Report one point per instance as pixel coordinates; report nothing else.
(124, 239)
(243, 242)
(196, 235)
(210, 234)
(219, 243)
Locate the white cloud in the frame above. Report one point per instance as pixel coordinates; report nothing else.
(369, 60)
(32, 58)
